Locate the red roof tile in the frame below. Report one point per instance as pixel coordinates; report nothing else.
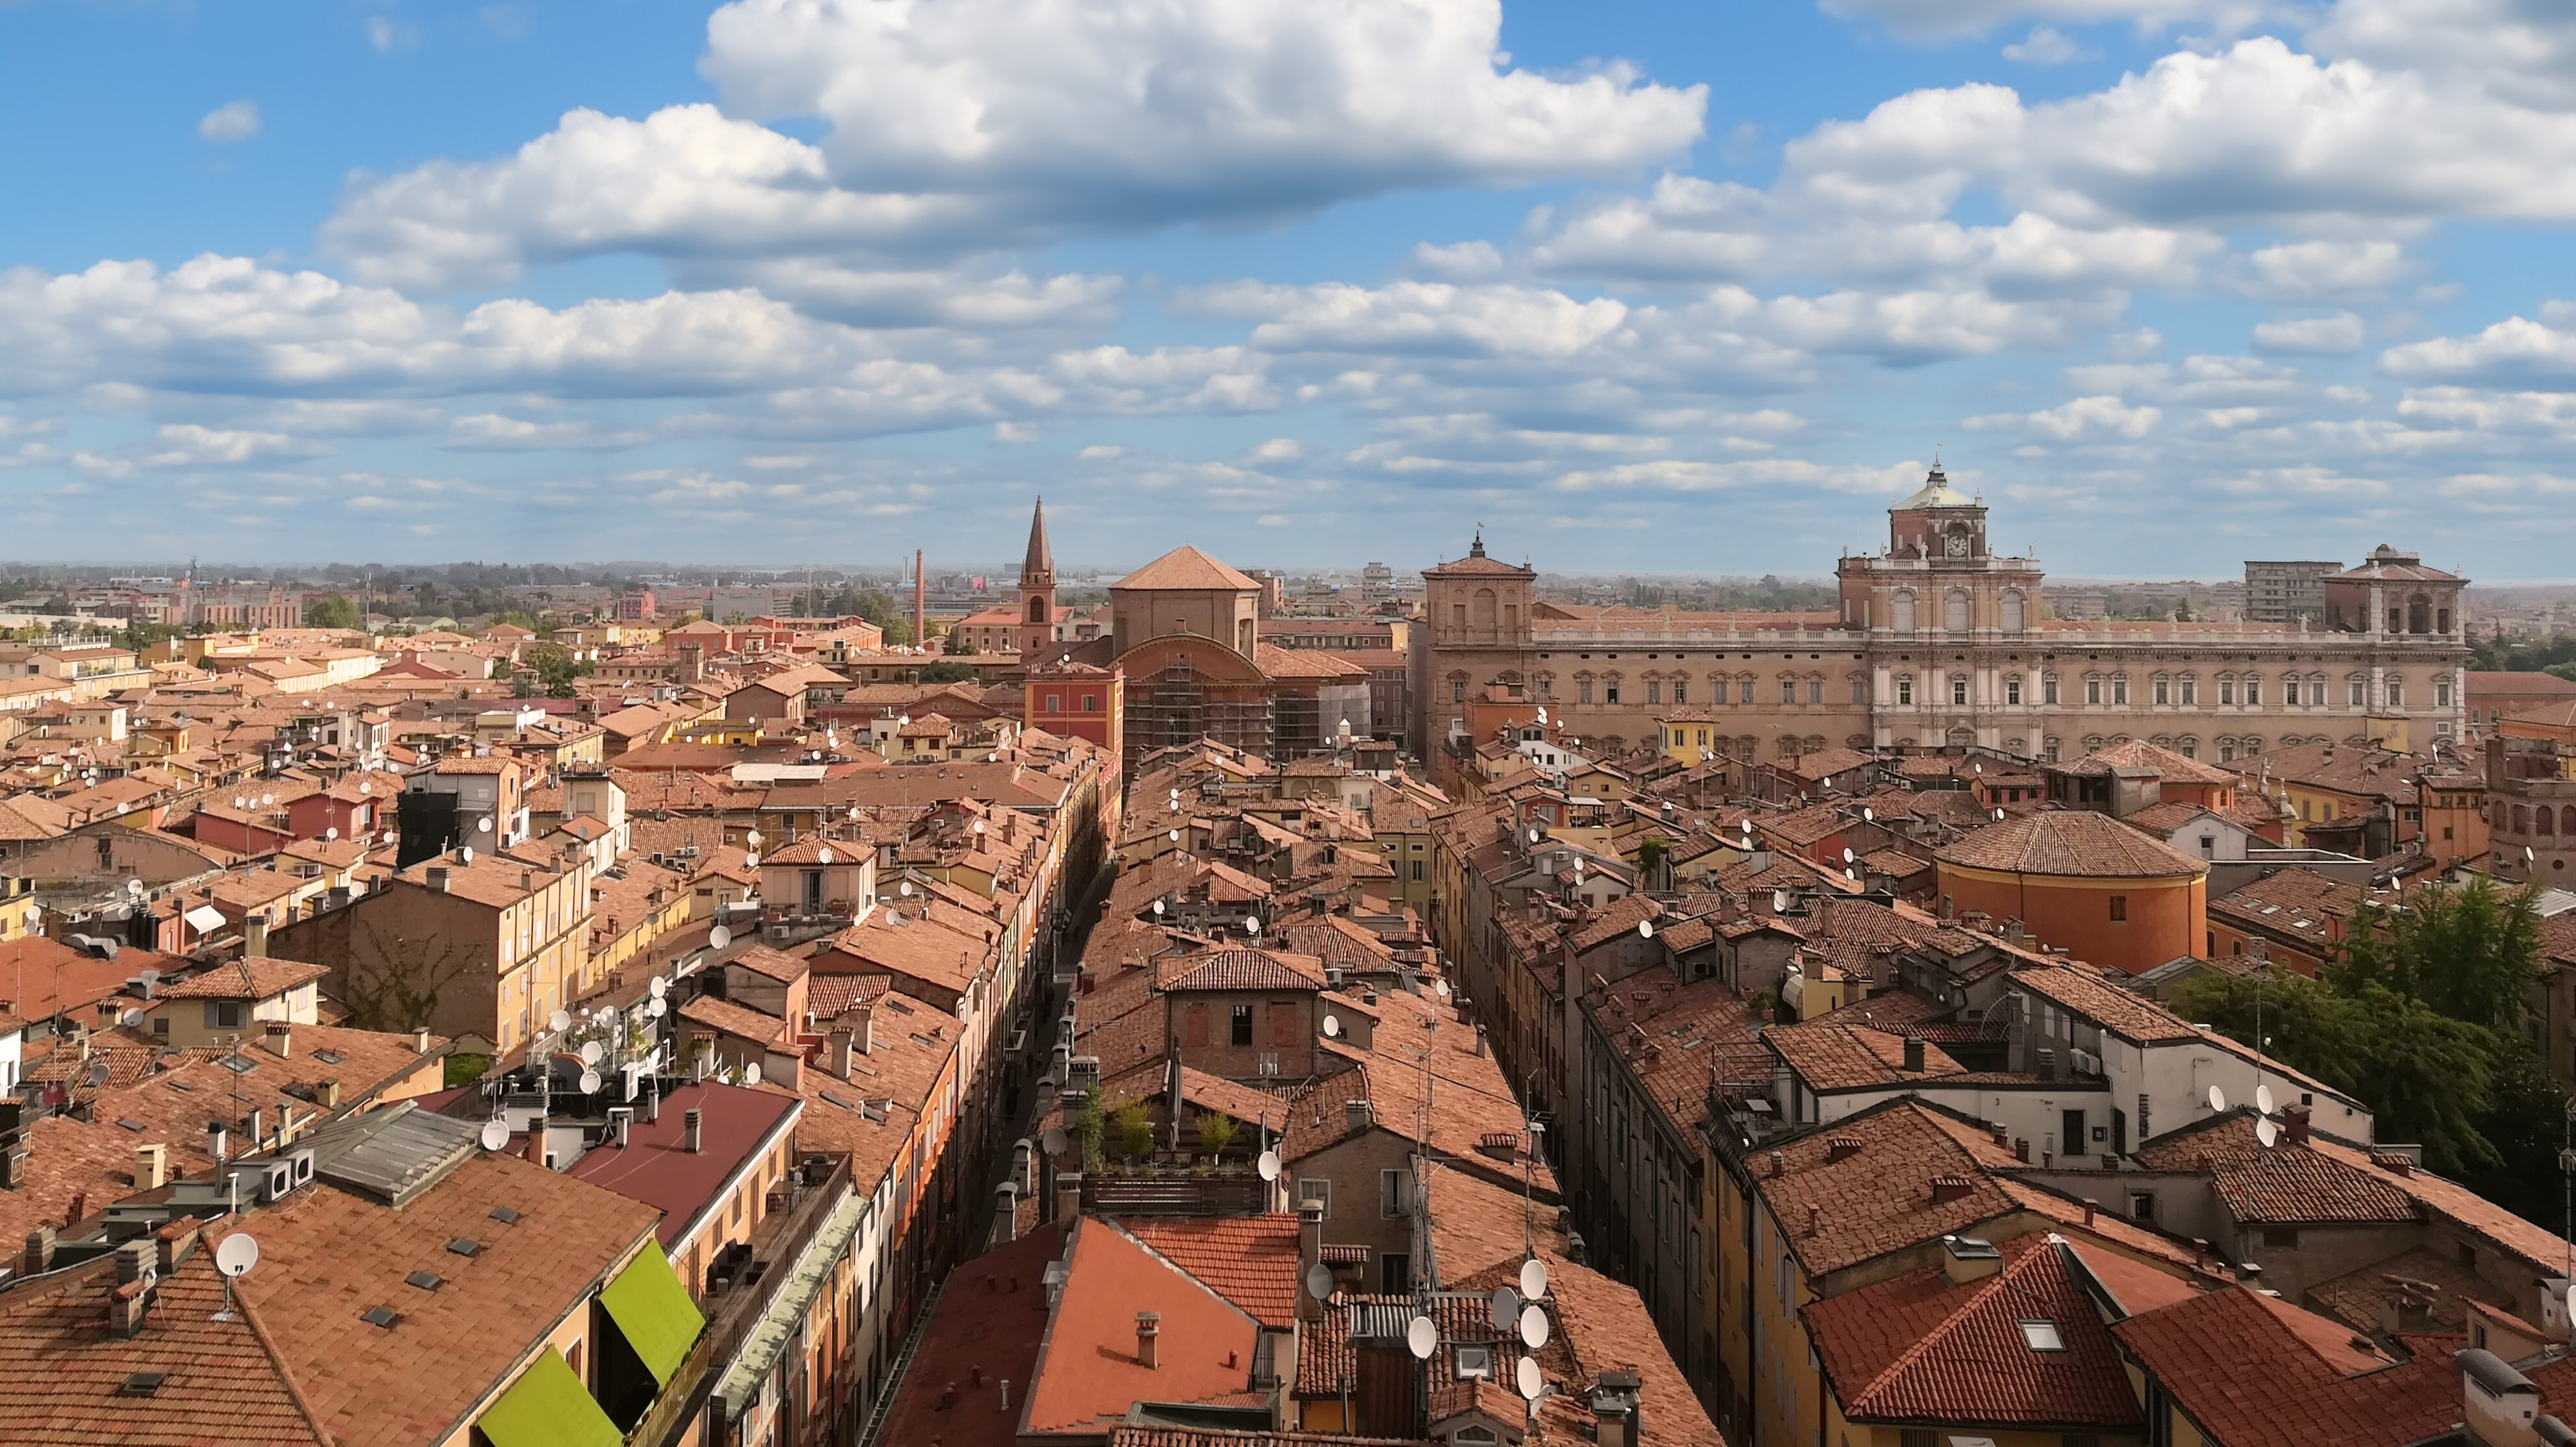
(1249, 1260)
(2071, 843)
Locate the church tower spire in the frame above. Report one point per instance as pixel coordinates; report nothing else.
(1037, 590)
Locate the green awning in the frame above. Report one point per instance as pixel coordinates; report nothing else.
(548, 1407)
(653, 1311)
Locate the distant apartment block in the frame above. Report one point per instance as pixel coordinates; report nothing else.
(2286, 592)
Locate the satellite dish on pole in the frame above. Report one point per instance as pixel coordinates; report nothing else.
(2217, 1101)
(1442, 986)
(1645, 929)
(331, 835)
(590, 1081)
(559, 1021)
(1252, 926)
(483, 825)
(657, 986)
(1175, 836)
(751, 1073)
(751, 861)
(2266, 1132)
(1269, 1165)
(1332, 1027)
(2263, 1099)
(1848, 856)
(1506, 1308)
(1529, 1379)
(1319, 1281)
(656, 1007)
(591, 1051)
(752, 839)
(1868, 815)
(1054, 1141)
(823, 856)
(236, 1254)
(496, 1133)
(1533, 1278)
(1421, 1338)
(1533, 1327)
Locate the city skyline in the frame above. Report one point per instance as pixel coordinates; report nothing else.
(1644, 290)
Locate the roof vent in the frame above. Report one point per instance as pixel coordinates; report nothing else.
(462, 1247)
(142, 1384)
(380, 1316)
(425, 1280)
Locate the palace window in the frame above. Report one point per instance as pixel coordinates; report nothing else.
(2012, 689)
(1744, 691)
(2187, 690)
(2048, 689)
(2441, 693)
(1815, 690)
(1788, 690)
(1654, 690)
(1905, 690)
(2357, 692)
(2093, 688)
(1681, 690)
(2396, 693)
(1958, 691)
(1860, 688)
(2163, 690)
(2253, 690)
(2120, 689)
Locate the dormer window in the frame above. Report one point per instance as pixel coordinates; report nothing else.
(1475, 1363)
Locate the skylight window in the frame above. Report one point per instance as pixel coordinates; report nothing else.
(2043, 1336)
(462, 1247)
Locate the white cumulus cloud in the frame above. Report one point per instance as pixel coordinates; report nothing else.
(232, 121)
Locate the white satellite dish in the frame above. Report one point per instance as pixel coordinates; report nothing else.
(1054, 1141)
(1269, 1165)
(751, 861)
(2263, 1099)
(907, 889)
(559, 1021)
(1319, 1281)
(751, 1073)
(483, 825)
(331, 835)
(718, 937)
(1999, 814)
(1252, 926)
(1847, 856)
(1533, 836)
(1528, 1378)
(1868, 815)
(1421, 1338)
(2266, 1132)
(1533, 1327)
(35, 916)
(752, 839)
(590, 1081)
(496, 1133)
(365, 787)
(657, 986)
(591, 1051)
(1645, 929)
(1332, 1027)
(1779, 901)
(1158, 909)
(1175, 836)
(236, 1254)
(2217, 1101)
(1442, 987)
(1506, 1308)
(655, 1007)
(979, 826)
(823, 856)
(1533, 1278)
(465, 855)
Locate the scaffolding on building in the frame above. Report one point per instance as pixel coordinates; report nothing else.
(1179, 706)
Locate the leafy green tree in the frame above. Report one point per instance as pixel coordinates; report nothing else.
(946, 673)
(1088, 1128)
(332, 611)
(1216, 1132)
(550, 667)
(1135, 1130)
(958, 646)
(2470, 951)
(518, 618)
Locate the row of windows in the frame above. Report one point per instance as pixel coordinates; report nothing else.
(2168, 690)
(2535, 819)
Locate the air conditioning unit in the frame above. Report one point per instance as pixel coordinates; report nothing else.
(2086, 1062)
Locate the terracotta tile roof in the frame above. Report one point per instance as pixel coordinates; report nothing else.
(1087, 1373)
(2138, 755)
(2296, 903)
(1240, 969)
(1210, 1437)
(221, 1381)
(831, 996)
(1825, 764)
(1831, 1055)
(2162, 820)
(1917, 1349)
(1879, 1197)
(245, 979)
(2131, 1016)
(993, 1315)
(739, 1021)
(762, 960)
(2290, 1184)
(1249, 1260)
(2255, 1371)
(1186, 569)
(2362, 770)
(326, 1256)
(1620, 916)
(2072, 843)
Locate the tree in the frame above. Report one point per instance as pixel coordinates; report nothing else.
(333, 611)
(1135, 1131)
(945, 673)
(1088, 1128)
(551, 667)
(518, 618)
(2469, 951)
(1216, 1132)
(958, 646)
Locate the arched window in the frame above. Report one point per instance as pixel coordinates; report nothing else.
(1815, 743)
(2162, 741)
(1037, 610)
(2521, 818)
(2543, 820)
(2187, 746)
(1747, 747)
(1954, 611)
(2567, 819)
(1900, 611)
(2017, 746)
(2226, 750)
(2092, 742)
(2013, 611)
(2250, 748)
(1484, 611)
(2419, 614)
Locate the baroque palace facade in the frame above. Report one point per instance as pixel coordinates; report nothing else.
(1941, 641)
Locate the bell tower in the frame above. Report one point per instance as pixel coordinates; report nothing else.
(1036, 629)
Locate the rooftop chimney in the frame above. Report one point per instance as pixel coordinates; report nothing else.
(1914, 1055)
(1006, 1212)
(1068, 1196)
(842, 1043)
(621, 1121)
(2294, 1122)
(1149, 1331)
(217, 1137)
(1841, 1147)
(1617, 1414)
(255, 936)
(693, 1130)
(2500, 1406)
(151, 1167)
(177, 1242)
(536, 1146)
(281, 1039)
(864, 1034)
(1966, 1258)
(1950, 1188)
(436, 878)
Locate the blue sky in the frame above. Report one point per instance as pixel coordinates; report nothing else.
(1659, 287)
